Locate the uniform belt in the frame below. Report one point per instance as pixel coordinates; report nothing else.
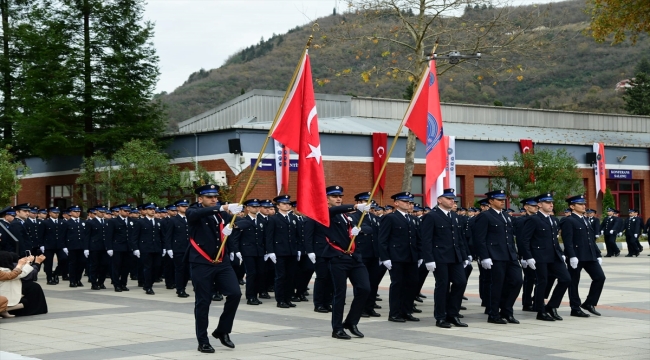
(204, 254)
(336, 247)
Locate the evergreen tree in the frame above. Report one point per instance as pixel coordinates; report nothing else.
(608, 201)
(637, 97)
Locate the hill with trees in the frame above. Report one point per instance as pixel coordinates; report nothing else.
(560, 68)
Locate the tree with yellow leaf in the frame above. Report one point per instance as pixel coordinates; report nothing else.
(620, 18)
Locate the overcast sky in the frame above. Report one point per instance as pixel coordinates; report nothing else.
(195, 34)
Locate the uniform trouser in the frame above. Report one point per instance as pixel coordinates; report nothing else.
(157, 270)
(305, 269)
(181, 272)
(254, 268)
(528, 286)
(135, 269)
(504, 282)
(285, 269)
(239, 267)
(597, 275)
(543, 272)
(610, 244)
(76, 265)
(150, 261)
(168, 270)
(482, 283)
(323, 283)
(422, 277)
(120, 262)
(203, 278)
(98, 265)
(372, 266)
(468, 271)
(269, 275)
(447, 299)
(62, 260)
(403, 288)
(633, 246)
(342, 268)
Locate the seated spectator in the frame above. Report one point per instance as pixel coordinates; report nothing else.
(26, 293)
(10, 275)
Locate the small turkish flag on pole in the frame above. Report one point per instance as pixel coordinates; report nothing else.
(297, 129)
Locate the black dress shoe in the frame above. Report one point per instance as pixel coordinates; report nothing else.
(418, 299)
(465, 297)
(329, 307)
(409, 317)
(443, 324)
(95, 287)
(379, 307)
(354, 330)
(553, 313)
(295, 299)
(283, 305)
(365, 315)
(306, 293)
(617, 254)
(118, 289)
(460, 316)
(73, 284)
(321, 309)
(579, 313)
(544, 316)
(591, 309)
(56, 279)
(291, 304)
(303, 298)
(205, 348)
(265, 296)
(608, 255)
(416, 310)
(629, 255)
(456, 321)
(492, 320)
(378, 299)
(182, 294)
(528, 308)
(420, 295)
(373, 313)
(463, 308)
(51, 282)
(170, 287)
(150, 292)
(396, 319)
(80, 284)
(511, 319)
(253, 302)
(124, 288)
(65, 278)
(102, 286)
(224, 338)
(242, 282)
(341, 334)
(217, 297)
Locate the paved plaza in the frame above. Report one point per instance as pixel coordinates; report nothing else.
(85, 324)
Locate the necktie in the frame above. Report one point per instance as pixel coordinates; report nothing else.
(449, 214)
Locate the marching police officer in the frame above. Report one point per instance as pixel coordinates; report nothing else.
(344, 265)
(53, 242)
(530, 207)
(19, 228)
(610, 228)
(147, 245)
(583, 253)
(177, 240)
(444, 253)
(207, 221)
(633, 229)
(118, 246)
(74, 233)
(7, 242)
(493, 238)
(399, 251)
(249, 239)
(539, 246)
(95, 249)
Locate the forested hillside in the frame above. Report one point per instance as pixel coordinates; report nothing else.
(568, 71)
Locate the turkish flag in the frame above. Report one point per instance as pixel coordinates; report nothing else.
(297, 129)
(424, 118)
(379, 144)
(526, 146)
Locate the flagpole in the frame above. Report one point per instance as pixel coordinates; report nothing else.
(266, 141)
(383, 166)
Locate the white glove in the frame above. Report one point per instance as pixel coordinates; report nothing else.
(420, 262)
(524, 263)
(635, 236)
(232, 256)
(170, 253)
(573, 262)
(388, 264)
(600, 261)
(531, 262)
(43, 247)
(431, 266)
(601, 232)
(65, 250)
(620, 234)
(469, 257)
(563, 259)
(312, 257)
(487, 264)
(611, 231)
(273, 257)
(363, 207)
(235, 208)
(380, 262)
(109, 252)
(227, 230)
(465, 263)
(86, 253)
(238, 255)
(266, 257)
(355, 231)
(298, 255)
(136, 253)
(597, 236)
(164, 252)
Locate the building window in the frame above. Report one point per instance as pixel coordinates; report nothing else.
(483, 185)
(459, 192)
(417, 189)
(627, 194)
(61, 196)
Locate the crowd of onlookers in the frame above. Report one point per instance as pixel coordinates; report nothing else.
(20, 294)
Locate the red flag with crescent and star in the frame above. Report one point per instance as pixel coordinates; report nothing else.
(297, 129)
(424, 118)
(379, 143)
